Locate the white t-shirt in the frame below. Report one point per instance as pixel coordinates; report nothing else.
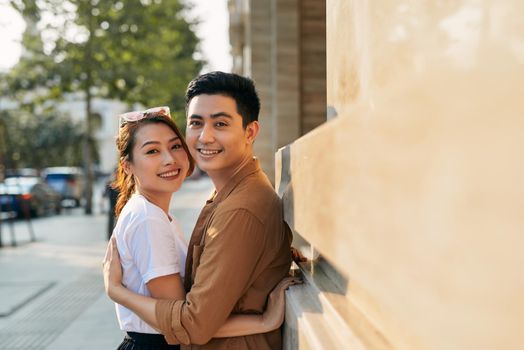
(150, 246)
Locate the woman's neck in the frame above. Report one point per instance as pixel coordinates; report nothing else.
(161, 200)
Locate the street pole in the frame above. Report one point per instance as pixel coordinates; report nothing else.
(2, 166)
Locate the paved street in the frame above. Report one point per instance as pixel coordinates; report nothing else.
(51, 290)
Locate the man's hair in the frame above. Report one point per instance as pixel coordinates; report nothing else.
(239, 88)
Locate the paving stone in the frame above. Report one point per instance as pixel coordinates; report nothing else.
(14, 295)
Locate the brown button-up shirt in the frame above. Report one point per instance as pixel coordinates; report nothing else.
(238, 252)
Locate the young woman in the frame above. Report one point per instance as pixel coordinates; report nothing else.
(154, 161)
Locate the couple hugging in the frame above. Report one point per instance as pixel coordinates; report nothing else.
(225, 290)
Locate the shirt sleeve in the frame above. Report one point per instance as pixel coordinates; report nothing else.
(153, 249)
(233, 247)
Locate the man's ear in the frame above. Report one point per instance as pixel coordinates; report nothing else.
(252, 130)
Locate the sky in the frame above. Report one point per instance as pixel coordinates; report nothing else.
(213, 32)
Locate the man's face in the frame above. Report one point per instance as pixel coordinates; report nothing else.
(215, 135)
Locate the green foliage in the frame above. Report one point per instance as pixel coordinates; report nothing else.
(135, 51)
(48, 140)
(130, 50)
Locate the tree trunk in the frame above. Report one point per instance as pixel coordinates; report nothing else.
(88, 159)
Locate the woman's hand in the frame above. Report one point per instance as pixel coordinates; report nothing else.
(276, 305)
(238, 325)
(112, 269)
(297, 255)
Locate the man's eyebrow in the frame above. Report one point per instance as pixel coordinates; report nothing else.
(157, 142)
(221, 114)
(213, 116)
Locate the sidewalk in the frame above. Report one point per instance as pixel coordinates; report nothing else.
(51, 291)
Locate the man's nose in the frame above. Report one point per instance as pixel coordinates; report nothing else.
(206, 135)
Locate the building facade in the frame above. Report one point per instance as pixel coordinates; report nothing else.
(281, 45)
(401, 127)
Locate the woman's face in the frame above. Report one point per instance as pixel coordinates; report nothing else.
(159, 163)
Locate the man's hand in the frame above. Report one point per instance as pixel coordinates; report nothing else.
(112, 269)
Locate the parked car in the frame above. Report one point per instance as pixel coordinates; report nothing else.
(24, 172)
(21, 195)
(68, 182)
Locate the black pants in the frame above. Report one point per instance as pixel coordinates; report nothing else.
(143, 341)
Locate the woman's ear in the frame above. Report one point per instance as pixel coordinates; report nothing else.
(252, 130)
(126, 166)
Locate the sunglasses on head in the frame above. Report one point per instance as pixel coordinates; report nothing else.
(139, 115)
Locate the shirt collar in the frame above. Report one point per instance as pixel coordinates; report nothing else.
(249, 168)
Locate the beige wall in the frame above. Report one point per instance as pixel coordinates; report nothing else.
(413, 193)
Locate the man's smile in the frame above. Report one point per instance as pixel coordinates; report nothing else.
(208, 152)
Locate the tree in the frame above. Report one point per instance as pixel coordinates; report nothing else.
(136, 51)
(49, 140)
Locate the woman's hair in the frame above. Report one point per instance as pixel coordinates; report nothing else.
(125, 142)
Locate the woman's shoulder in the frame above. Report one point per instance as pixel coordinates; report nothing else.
(138, 207)
(140, 218)
(140, 215)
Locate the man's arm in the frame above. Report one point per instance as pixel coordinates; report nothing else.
(144, 307)
(234, 245)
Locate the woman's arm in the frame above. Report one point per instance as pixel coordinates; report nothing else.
(164, 287)
(142, 306)
(240, 325)
(167, 287)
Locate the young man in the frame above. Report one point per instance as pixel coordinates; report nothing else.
(240, 247)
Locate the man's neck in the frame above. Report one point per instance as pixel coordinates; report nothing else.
(221, 177)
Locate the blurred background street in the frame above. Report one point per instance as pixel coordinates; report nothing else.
(51, 290)
(392, 130)
(67, 70)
